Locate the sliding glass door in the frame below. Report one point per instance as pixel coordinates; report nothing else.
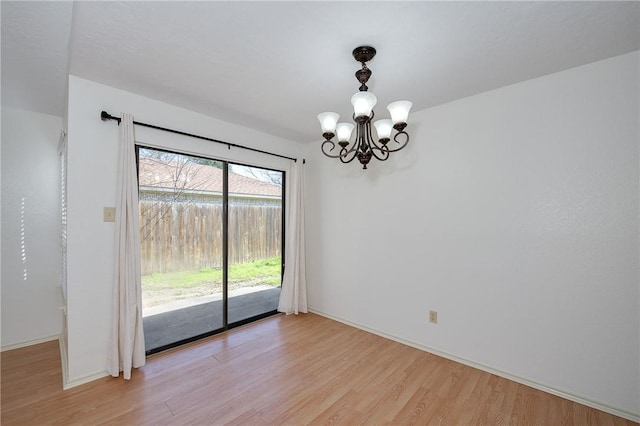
(211, 244)
(255, 241)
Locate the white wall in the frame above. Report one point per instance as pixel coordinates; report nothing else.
(30, 204)
(514, 214)
(92, 153)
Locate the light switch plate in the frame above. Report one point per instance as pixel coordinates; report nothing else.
(109, 214)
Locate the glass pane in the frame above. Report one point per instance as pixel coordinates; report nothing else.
(181, 246)
(255, 241)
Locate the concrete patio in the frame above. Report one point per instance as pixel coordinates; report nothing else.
(168, 327)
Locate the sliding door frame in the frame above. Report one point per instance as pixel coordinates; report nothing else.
(282, 239)
(225, 244)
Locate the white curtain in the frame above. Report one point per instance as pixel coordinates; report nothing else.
(127, 338)
(293, 296)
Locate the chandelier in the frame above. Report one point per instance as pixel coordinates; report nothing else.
(364, 147)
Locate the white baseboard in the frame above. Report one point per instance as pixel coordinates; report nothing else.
(66, 384)
(30, 342)
(635, 417)
(81, 381)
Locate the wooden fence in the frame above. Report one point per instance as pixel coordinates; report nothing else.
(188, 236)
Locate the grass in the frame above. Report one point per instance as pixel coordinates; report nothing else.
(265, 271)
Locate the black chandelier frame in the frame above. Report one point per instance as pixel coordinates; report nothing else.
(365, 145)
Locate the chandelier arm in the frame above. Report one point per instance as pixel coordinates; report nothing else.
(376, 145)
(370, 139)
(402, 144)
(343, 151)
(346, 160)
(348, 155)
(363, 150)
(373, 146)
(384, 150)
(357, 144)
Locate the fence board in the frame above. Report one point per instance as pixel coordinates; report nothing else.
(188, 236)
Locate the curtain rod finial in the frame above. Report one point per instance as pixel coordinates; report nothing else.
(104, 116)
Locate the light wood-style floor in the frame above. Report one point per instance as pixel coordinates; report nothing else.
(282, 370)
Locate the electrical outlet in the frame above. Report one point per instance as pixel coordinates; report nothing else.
(433, 317)
(109, 214)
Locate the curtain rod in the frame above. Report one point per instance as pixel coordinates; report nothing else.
(104, 116)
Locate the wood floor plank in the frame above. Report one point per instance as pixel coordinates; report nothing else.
(142, 415)
(303, 369)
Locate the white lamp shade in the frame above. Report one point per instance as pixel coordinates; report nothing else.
(328, 121)
(363, 103)
(344, 131)
(383, 127)
(399, 111)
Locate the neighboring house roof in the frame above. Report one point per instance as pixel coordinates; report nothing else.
(191, 176)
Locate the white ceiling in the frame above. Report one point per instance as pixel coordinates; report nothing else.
(274, 66)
